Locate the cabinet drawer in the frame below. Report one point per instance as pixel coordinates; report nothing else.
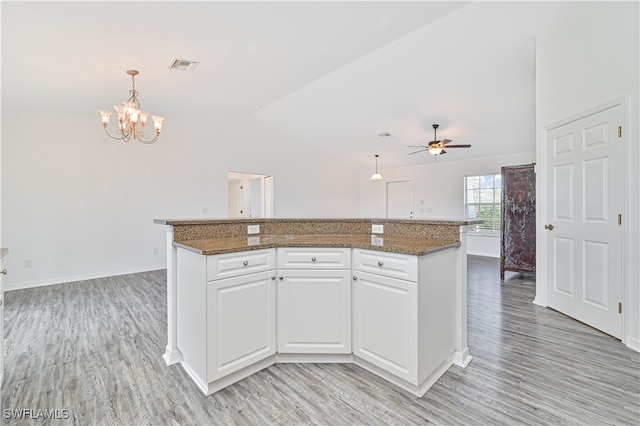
(388, 264)
(314, 258)
(235, 264)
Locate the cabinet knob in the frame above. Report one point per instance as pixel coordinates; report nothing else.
(273, 277)
(355, 278)
(245, 263)
(281, 277)
(313, 259)
(3, 272)
(549, 227)
(380, 263)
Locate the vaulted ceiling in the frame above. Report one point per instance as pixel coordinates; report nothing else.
(331, 74)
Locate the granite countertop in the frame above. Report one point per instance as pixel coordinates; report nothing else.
(3, 252)
(401, 245)
(339, 220)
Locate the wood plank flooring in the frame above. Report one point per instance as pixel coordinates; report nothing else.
(94, 348)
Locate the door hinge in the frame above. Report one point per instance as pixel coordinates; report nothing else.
(619, 307)
(619, 131)
(619, 219)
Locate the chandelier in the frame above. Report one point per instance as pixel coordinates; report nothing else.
(131, 119)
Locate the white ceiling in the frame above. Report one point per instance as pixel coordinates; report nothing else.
(331, 74)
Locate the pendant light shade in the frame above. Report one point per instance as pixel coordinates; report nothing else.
(376, 175)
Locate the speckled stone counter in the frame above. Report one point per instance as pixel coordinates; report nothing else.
(402, 245)
(405, 236)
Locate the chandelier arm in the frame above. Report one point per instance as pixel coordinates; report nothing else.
(150, 141)
(124, 137)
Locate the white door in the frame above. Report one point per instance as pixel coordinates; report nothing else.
(400, 200)
(239, 199)
(583, 239)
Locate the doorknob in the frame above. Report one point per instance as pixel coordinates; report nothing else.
(549, 227)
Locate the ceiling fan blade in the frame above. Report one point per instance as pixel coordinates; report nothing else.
(416, 146)
(411, 153)
(459, 146)
(442, 152)
(445, 141)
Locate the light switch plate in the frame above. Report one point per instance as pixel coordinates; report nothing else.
(377, 229)
(253, 229)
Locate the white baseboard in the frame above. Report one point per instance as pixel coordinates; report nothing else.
(633, 343)
(83, 277)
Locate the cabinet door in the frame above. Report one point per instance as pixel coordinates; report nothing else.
(385, 330)
(314, 311)
(241, 322)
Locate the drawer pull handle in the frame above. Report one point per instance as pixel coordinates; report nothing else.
(355, 278)
(3, 272)
(281, 277)
(313, 259)
(380, 263)
(245, 263)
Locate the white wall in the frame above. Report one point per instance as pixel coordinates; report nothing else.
(439, 190)
(587, 58)
(81, 205)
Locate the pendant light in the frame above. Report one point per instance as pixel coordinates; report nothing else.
(376, 175)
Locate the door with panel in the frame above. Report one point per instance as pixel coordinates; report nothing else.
(583, 236)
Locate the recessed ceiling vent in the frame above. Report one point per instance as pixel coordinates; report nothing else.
(183, 65)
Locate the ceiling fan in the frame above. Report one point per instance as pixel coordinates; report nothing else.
(436, 147)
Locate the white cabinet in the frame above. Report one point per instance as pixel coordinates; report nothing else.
(405, 329)
(226, 326)
(314, 311)
(314, 300)
(241, 322)
(385, 323)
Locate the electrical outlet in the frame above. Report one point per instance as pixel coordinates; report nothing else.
(253, 229)
(204, 210)
(377, 229)
(155, 250)
(27, 263)
(253, 241)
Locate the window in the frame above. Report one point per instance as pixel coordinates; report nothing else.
(482, 200)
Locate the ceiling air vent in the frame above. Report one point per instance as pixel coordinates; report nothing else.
(183, 65)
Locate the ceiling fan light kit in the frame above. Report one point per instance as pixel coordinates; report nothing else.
(436, 147)
(131, 118)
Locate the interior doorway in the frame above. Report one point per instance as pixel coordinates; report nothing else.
(250, 195)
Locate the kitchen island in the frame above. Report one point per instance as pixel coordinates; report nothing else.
(245, 294)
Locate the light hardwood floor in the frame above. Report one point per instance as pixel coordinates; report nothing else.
(94, 348)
